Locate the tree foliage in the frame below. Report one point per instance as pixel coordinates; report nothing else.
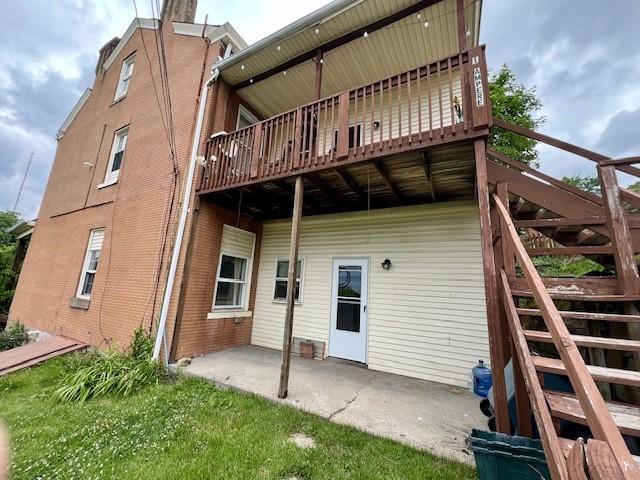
(7, 254)
(588, 183)
(514, 103)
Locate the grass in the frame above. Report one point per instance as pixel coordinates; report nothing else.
(189, 429)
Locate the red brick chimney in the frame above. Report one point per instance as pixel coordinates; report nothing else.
(105, 51)
(179, 11)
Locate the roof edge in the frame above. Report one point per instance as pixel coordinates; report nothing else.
(146, 23)
(72, 114)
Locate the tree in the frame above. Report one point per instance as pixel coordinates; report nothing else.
(7, 255)
(514, 103)
(588, 183)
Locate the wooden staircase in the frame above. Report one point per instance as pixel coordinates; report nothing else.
(553, 326)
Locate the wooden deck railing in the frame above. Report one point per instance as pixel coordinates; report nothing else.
(425, 105)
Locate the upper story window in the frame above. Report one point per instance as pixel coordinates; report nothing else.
(245, 118)
(90, 264)
(115, 159)
(125, 77)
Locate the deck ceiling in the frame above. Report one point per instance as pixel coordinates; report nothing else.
(356, 187)
(398, 47)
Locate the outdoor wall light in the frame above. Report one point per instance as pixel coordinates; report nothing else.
(376, 125)
(386, 264)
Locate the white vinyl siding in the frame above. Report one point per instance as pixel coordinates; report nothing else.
(125, 77)
(427, 316)
(116, 157)
(90, 263)
(405, 114)
(238, 244)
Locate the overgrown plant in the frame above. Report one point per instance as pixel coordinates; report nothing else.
(114, 372)
(13, 336)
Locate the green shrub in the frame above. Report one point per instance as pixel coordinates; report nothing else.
(13, 336)
(113, 373)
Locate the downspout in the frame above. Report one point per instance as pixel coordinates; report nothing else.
(175, 256)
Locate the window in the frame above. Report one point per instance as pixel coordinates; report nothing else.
(245, 118)
(125, 77)
(231, 282)
(282, 273)
(90, 264)
(355, 136)
(115, 159)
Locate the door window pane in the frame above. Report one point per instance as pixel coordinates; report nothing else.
(349, 281)
(348, 315)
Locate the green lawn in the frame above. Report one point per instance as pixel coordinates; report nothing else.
(189, 430)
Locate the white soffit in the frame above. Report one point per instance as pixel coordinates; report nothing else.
(401, 46)
(353, 15)
(212, 32)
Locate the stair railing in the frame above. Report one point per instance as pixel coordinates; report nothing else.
(597, 414)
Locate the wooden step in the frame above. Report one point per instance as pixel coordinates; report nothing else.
(567, 407)
(566, 446)
(603, 374)
(559, 222)
(605, 317)
(597, 250)
(580, 297)
(586, 341)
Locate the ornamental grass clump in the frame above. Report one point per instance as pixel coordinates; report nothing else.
(113, 373)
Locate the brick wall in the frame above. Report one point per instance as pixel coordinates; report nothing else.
(196, 334)
(133, 212)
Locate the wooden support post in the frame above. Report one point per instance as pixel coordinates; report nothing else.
(619, 231)
(255, 150)
(297, 143)
(462, 27)
(319, 62)
(507, 250)
(291, 288)
(496, 335)
(342, 149)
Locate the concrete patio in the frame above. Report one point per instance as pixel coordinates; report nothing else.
(423, 414)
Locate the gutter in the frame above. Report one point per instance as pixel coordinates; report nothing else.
(175, 255)
(314, 18)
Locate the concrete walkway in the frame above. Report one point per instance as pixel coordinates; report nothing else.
(425, 415)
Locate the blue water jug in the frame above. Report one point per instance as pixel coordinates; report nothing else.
(481, 379)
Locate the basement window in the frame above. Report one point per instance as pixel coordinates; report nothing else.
(282, 280)
(231, 282)
(125, 77)
(90, 265)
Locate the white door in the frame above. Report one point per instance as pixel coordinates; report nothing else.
(348, 336)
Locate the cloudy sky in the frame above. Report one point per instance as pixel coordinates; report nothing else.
(583, 61)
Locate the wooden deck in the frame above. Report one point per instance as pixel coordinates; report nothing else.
(411, 112)
(34, 353)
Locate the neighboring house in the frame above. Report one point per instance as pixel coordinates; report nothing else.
(333, 188)
(22, 232)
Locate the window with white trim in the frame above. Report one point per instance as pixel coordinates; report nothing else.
(90, 264)
(231, 284)
(282, 280)
(125, 77)
(245, 118)
(115, 159)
